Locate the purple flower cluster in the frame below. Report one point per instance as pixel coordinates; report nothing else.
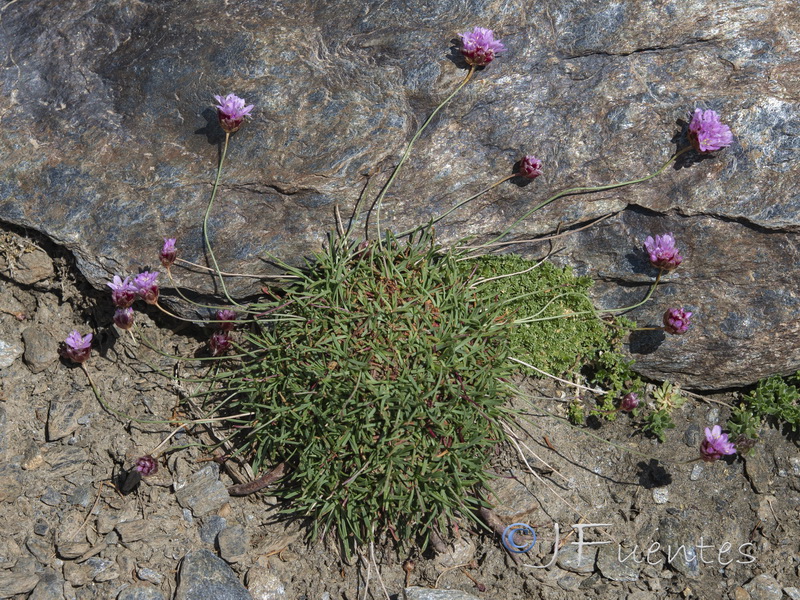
(231, 112)
(707, 133)
(77, 348)
(220, 341)
(125, 291)
(662, 252)
(716, 445)
(530, 167)
(677, 321)
(479, 46)
(146, 465)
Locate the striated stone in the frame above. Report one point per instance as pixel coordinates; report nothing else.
(10, 483)
(50, 587)
(764, 587)
(598, 91)
(41, 348)
(9, 352)
(211, 527)
(421, 593)
(233, 543)
(12, 584)
(265, 585)
(140, 593)
(203, 492)
(30, 266)
(70, 550)
(570, 559)
(610, 566)
(202, 575)
(62, 418)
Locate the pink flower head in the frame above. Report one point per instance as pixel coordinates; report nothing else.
(629, 402)
(219, 343)
(146, 465)
(676, 321)
(227, 319)
(123, 318)
(707, 133)
(716, 445)
(530, 167)
(231, 112)
(146, 286)
(168, 252)
(662, 251)
(123, 292)
(479, 46)
(77, 348)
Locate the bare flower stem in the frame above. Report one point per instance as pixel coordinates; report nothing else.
(407, 152)
(205, 220)
(587, 190)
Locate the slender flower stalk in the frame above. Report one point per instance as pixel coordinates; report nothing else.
(586, 190)
(407, 152)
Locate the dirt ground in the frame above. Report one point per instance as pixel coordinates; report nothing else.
(655, 522)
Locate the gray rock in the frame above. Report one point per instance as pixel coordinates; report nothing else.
(140, 593)
(41, 549)
(31, 266)
(50, 587)
(62, 418)
(103, 569)
(69, 550)
(202, 575)
(3, 419)
(51, 497)
(597, 93)
(661, 495)
(763, 587)
(9, 352)
(696, 473)
(64, 460)
(12, 584)
(681, 555)
(610, 566)
(234, 543)
(421, 593)
(41, 348)
(40, 527)
(211, 527)
(263, 584)
(10, 483)
(569, 558)
(792, 592)
(203, 493)
(150, 575)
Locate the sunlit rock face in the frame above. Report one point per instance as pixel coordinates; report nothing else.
(110, 143)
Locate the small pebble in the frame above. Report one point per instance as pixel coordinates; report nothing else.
(661, 495)
(146, 574)
(41, 527)
(51, 497)
(697, 472)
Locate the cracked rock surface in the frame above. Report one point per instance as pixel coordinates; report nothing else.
(110, 144)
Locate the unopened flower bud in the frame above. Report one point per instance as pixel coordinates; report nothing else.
(219, 343)
(123, 318)
(146, 465)
(226, 318)
(629, 402)
(530, 167)
(168, 253)
(677, 321)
